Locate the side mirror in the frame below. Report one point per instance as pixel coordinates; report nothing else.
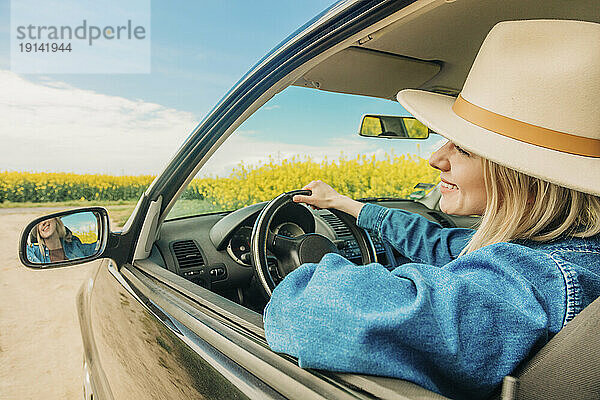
(65, 238)
(391, 127)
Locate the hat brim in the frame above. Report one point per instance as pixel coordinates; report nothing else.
(572, 171)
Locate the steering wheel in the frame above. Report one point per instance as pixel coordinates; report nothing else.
(293, 252)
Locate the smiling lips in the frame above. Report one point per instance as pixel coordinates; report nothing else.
(448, 186)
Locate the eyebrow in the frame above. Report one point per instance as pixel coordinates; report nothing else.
(460, 148)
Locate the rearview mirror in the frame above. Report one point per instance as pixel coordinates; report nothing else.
(65, 238)
(392, 127)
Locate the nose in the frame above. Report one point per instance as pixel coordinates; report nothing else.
(439, 160)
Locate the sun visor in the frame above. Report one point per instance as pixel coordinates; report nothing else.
(367, 72)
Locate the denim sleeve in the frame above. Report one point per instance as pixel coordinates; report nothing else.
(456, 330)
(32, 255)
(414, 236)
(76, 249)
(88, 249)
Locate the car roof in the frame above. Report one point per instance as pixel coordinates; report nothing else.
(430, 45)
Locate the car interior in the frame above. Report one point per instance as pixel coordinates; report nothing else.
(213, 250)
(429, 47)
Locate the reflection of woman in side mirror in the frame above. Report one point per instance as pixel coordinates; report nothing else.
(51, 241)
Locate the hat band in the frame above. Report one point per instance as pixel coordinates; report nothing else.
(525, 132)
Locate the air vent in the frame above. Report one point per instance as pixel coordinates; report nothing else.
(338, 226)
(441, 220)
(187, 254)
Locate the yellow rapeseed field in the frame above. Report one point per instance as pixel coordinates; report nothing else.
(357, 177)
(87, 236)
(361, 176)
(48, 187)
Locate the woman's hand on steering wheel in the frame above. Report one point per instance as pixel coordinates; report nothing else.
(324, 196)
(307, 248)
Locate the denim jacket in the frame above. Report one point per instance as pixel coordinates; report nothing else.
(73, 249)
(454, 325)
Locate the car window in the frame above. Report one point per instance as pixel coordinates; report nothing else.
(302, 135)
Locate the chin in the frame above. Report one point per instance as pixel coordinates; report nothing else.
(445, 208)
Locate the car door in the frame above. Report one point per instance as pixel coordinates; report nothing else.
(151, 334)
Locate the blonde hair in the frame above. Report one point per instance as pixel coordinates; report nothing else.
(520, 206)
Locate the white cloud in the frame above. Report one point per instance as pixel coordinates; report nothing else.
(52, 126)
(269, 108)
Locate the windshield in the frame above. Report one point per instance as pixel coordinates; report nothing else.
(302, 135)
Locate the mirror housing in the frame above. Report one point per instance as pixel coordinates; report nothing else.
(76, 236)
(392, 127)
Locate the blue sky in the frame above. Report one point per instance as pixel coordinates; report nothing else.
(81, 222)
(199, 49)
(133, 123)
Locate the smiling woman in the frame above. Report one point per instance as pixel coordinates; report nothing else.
(52, 241)
(471, 305)
(463, 186)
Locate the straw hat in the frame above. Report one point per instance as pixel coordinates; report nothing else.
(531, 102)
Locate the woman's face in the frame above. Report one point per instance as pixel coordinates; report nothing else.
(463, 188)
(47, 228)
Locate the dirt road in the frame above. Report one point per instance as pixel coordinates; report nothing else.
(40, 342)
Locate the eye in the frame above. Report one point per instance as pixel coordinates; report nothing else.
(461, 151)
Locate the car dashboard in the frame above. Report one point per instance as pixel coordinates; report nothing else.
(212, 250)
